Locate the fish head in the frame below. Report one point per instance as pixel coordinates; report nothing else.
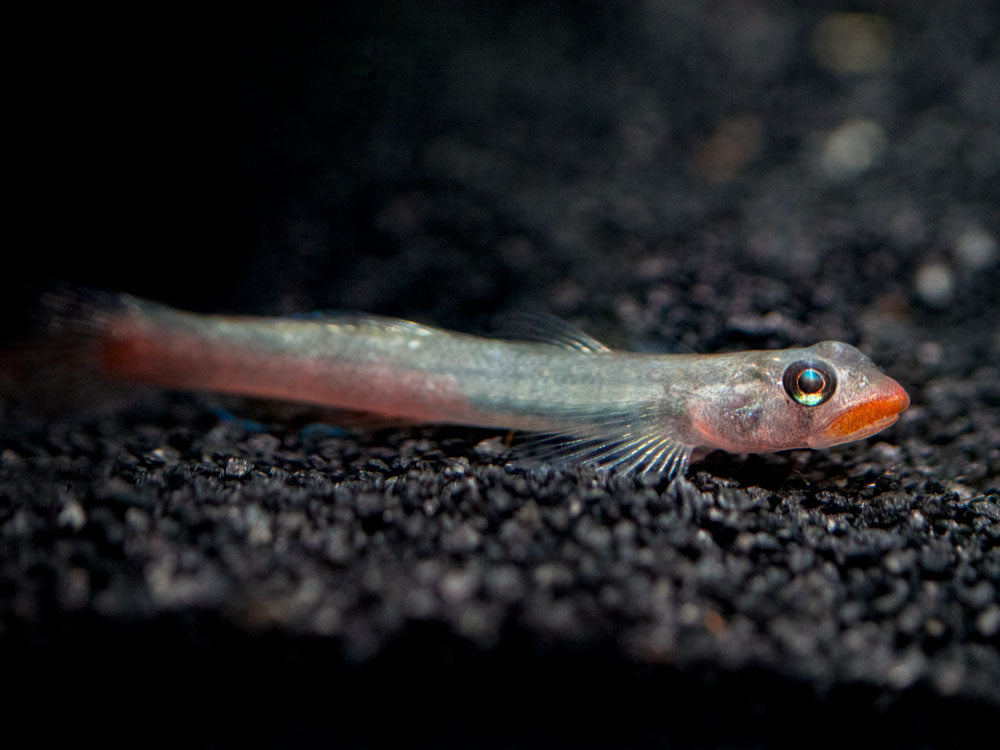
(865, 401)
(809, 397)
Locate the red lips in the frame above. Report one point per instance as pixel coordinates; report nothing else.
(888, 401)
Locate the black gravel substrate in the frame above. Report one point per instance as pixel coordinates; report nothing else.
(716, 176)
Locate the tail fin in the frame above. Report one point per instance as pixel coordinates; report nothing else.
(52, 364)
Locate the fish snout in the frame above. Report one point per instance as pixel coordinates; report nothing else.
(880, 408)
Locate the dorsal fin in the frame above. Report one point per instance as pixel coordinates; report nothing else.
(548, 329)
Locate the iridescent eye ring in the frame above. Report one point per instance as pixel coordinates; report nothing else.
(809, 383)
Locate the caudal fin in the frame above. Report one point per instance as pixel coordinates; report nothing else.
(51, 362)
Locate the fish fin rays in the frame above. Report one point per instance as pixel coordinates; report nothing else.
(548, 329)
(629, 443)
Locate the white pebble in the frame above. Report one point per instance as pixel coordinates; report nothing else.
(976, 249)
(237, 467)
(852, 149)
(988, 621)
(72, 516)
(935, 284)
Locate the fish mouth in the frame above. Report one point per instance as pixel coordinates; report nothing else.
(865, 418)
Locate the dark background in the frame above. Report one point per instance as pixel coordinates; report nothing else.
(660, 173)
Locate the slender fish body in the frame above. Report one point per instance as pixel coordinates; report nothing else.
(632, 412)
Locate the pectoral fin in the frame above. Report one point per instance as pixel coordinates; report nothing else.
(628, 442)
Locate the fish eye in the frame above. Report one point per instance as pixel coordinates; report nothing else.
(809, 383)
